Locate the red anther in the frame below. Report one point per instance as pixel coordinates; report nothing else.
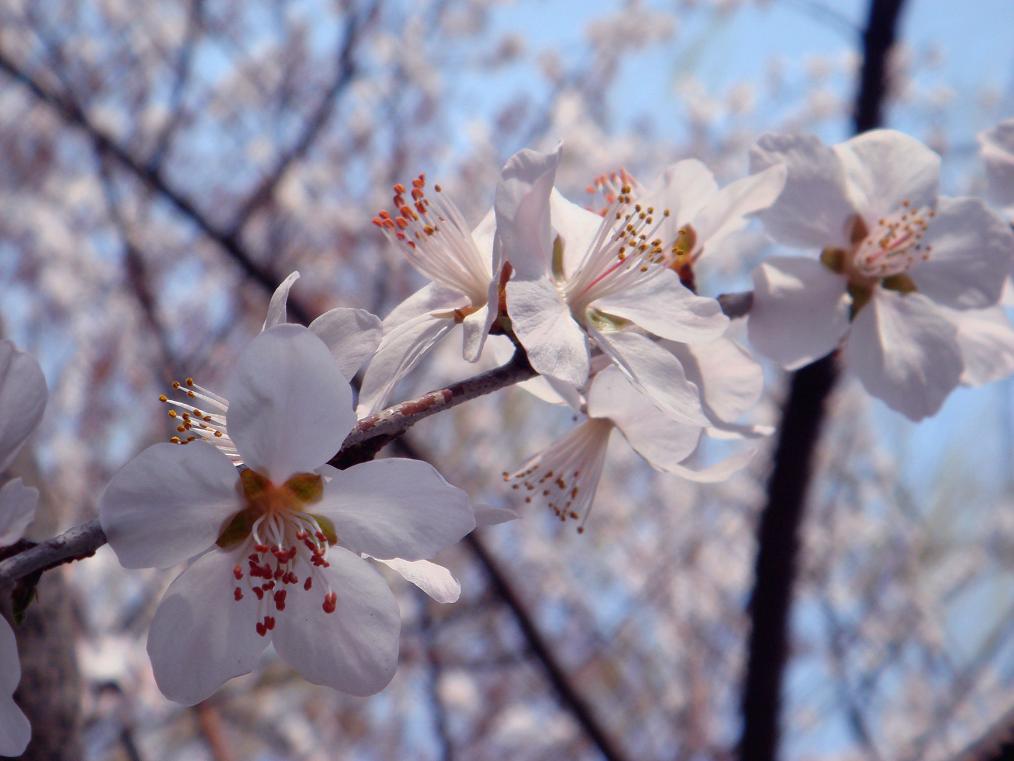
(261, 629)
(330, 602)
(292, 578)
(292, 553)
(237, 594)
(254, 558)
(269, 622)
(399, 188)
(280, 599)
(301, 534)
(321, 536)
(402, 223)
(237, 572)
(261, 548)
(417, 194)
(308, 583)
(259, 592)
(377, 221)
(279, 573)
(383, 214)
(420, 207)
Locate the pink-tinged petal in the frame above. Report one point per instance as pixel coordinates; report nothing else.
(885, 167)
(168, 504)
(352, 336)
(523, 230)
(997, 150)
(684, 188)
(555, 343)
(488, 515)
(659, 439)
(969, 257)
(663, 306)
(986, 341)
(483, 236)
(656, 373)
(201, 636)
(15, 731)
(395, 508)
(575, 226)
(277, 307)
(800, 310)
(814, 208)
(730, 380)
(400, 350)
(17, 510)
(435, 580)
(22, 399)
(355, 648)
(290, 407)
(905, 352)
(727, 211)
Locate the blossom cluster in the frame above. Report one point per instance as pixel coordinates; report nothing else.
(607, 305)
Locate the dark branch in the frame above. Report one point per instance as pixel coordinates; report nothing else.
(779, 528)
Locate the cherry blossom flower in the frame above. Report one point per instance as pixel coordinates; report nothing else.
(996, 146)
(277, 548)
(22, 401)
(612, 277)
(892, 254)
(565, 475)
(464, 267)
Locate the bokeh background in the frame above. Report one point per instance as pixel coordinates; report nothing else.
(164, 164)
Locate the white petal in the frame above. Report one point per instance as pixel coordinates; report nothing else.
(475, 331)
(354, 649)
(799, 312)
(395, 508)
(523, 230)
(997, 148)
(15, 731)
(730, 381)
(541, 386)
(289, 405)
(22, 399)
(656, 373)
(684, 188)
(410, 331)
(17, 510)
(277, 312)
(201, 636)
(986, 340)
(659, 439)
(352, 335)
(542, 321)
(168, 504)
(435, 580)
(726, 212)
(885, 167)
(970, 255)
(576, 227)
(814, 207)
(663, 306)
(905, 352)
(488, 515)
(719, 471)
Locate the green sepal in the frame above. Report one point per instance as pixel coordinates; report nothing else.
(861, 295)
(238, 527)
(901, 283)
(557, 262)
(834, 259)
(327, 527)
(254, 484)
(307, 487)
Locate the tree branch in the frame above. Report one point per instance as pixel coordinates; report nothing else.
(779, 528)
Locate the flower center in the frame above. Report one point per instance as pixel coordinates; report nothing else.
(285, 545)
(881, 255)
(565, 476)
(436, 240)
